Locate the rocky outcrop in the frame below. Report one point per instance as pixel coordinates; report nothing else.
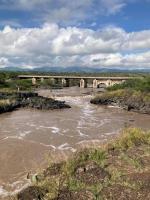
(30, 100)
(127, 100)
(9, 107)
(44, 103)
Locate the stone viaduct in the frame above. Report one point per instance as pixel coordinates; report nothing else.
(82, 80)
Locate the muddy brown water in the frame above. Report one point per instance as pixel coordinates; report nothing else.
(29, 137)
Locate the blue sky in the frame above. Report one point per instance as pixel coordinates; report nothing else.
(92, 33)
(132, 15)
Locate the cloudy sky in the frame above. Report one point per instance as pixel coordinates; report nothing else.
(65, 33)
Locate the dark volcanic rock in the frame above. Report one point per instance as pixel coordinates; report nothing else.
(31, 193)
(91, 173)
(31, 100)
(66, 194)
(130, 103)
(44, 103)
(9, 107)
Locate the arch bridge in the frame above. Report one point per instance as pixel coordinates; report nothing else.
(83, 81)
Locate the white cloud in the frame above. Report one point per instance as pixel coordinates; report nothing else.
(3, 62)
(52, 45)
(113, 6)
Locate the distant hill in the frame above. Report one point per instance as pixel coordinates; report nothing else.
(74, 69)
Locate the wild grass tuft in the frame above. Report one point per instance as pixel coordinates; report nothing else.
(80, 158)
(131, 137)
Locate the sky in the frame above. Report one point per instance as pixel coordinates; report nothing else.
(82, 33)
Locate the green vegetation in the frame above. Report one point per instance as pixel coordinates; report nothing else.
(131, 95)
(142, 85)
(9, 81)
(4, 102)
(118, 170)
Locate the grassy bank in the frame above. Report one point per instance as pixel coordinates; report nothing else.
(7, 105)
(131, 95)
(142, 85)
(118, 170)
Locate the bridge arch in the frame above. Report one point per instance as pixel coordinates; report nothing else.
(101, 85)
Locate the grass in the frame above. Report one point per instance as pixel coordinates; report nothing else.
(124, 94)
(118, 161)
(142, 85)
(131, 95)
(4, 102)
(80, 158)
(131, 137)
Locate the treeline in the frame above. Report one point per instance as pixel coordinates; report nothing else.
(6, 74)
(10, 82)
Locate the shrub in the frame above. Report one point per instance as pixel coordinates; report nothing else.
(142, 84)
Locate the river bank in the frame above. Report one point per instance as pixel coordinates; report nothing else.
(127, 99)
(117, 170)
(12, 101)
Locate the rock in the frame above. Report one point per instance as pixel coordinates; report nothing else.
(128, 102)
(31, 193)
(31, 100)
(91, 173)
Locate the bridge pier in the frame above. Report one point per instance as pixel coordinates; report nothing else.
(83, 83)
(63, 81)
(95, 83)
(33, 81)
(42, 80)
(108, 83)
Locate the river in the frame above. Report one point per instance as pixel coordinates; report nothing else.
(30, 138)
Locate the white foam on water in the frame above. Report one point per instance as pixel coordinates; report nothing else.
(31, 124)
(3, 192)
(66, 146)
(48, 145)
(89, 141)
(12, 137)
(113, 132)
(42, 144)
(82, 134)
(103, 122)
(81, 124)
(65, 130)
(31, 141)
(23, 134)
(46, 127)
(20, 137)
(55, 129)
(77, 100)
